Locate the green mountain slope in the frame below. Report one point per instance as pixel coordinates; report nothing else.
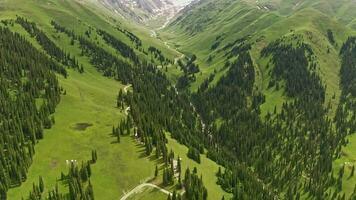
(218, 23)
(234, 99)
(219, 33)
(98, 51)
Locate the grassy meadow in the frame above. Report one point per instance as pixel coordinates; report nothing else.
(84, 121)
(87, 112)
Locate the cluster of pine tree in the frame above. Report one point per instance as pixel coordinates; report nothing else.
(234, 100)
(47, 44)
(189, 69)
(348, 66)
(123, 128)
(125, 50)
(149, 85)
(174, 196)
(243, 183)
(330, 36)
(131, 36)
(217, 42)
(94, 156)
(144, 77)
(156, 107)
(345, 117)
(238, 46)
(290, 151)
(157, 54)
(37, 190)
(230, 94)
(62, 29)
(25, 80)
(79, 185)
(7, 22)
(194, 154)
(120, 103)
(194, 187)
(296, 67)
(105, 62)
(170, 171)
(238, 43)
(168, 176)
(205, 85)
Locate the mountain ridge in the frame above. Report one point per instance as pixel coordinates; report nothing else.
(144, 11)
(251, 99)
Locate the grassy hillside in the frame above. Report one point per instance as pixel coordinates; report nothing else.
(206, 168)
(90, 101)
(216, 32)
(87, 112)
(77, 15)
(69, 140)
(207, 27)
(222, 22)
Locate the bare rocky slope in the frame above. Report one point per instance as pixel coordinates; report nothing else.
(143, 10)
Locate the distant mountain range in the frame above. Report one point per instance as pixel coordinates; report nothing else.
(142, 10)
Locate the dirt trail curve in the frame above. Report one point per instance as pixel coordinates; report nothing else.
(141, 186)
(154, 35)
(125, 90)
(127, 87)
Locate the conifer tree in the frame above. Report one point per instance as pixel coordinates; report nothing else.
(41, 184)
(156, 171)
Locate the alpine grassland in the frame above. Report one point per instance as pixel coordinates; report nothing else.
(225, 99)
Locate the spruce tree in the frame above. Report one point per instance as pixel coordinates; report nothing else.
(41, 184)
(156, 171)
(352, 171)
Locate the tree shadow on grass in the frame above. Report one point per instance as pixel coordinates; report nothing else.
(115, 141)
(141, 149)
(153, 157)
(142, 153)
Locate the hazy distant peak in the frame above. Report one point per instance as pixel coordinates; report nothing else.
(142, 10)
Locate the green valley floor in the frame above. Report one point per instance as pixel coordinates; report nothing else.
(83, 122)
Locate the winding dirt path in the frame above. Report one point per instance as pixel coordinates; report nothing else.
(168, 20)
(128, 108)
(138, 188)
(127, 87)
